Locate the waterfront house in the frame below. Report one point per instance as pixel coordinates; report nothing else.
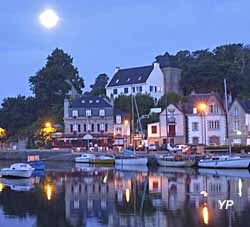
(89, 120)
(206, 119)
(239, 122)
(174, 132)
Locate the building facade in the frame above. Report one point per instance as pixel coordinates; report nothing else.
(89, 120)
(206, 119)
(174, 131)
(239, 122)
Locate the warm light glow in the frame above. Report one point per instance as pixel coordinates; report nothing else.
(204, 193)
(1, 187)
(49, 190)
(105, 179)
(48, 18)
(2, 132)
(205, 215)
(202, 107)
(126, 122)
(240, 187)
(127, 193)
(47, 124)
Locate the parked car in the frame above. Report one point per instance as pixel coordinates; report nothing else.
(153, 147)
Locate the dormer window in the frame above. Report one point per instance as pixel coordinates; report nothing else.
(102, 112)
(117, 81)
(88, 113)
(128, 79)
(75, 113)
(83, 101)
(97, 101)
(139, 78)
(90, 101)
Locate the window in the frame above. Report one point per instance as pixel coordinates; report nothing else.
(75, 127)
(213, 108)
(151, 88)
(155, 88)
(92, 127)
(84, 127)
(79, 128)
(71, 128)
(118, 130)
(102, 127)
(115, 91)
(214, 140)
(89, 127)
(88, 113)
(90, 101)
(236, 125)
(171, 130)
(214, 125)
(194, 110)
(154, 129)
(98, 127)
(236, 111)
(102, 112)
(97, 101)
(118, 119)
(106, 127)
(83, 101)
(125, 90)
(139, 89)
(195, 126)
(133, 89)
(195, 140)
(75, 113)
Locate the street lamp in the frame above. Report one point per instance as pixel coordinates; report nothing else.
(202, 107)
(48, 124)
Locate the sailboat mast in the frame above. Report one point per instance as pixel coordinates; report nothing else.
(132, 119)
(227, 114)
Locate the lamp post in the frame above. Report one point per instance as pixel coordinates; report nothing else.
(202, 107)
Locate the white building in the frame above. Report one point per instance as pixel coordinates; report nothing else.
(154, 134)
(206, 119)
(145, 80)
(176, 129)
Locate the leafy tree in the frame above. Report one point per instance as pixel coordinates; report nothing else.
(17, 113)
(99, 87)
(54, 81)
(172, 98)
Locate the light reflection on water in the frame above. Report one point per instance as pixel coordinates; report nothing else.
(103, 196)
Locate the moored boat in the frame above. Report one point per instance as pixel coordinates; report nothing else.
(175, 161)
(132, 160)
(22, 170)
(103, 159)
(225, 161)
(85, 158)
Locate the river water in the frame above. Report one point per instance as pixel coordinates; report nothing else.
(82, 195)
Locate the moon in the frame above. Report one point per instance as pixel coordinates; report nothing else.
(49, 18)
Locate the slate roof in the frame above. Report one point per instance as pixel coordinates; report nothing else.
(90, 102)
(193, 99)
(131, 76)
(245, 103)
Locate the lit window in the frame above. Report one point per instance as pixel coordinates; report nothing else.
(90, 101)
(118, 119)
(102, 112)
(75, 113)
(88, 113)
(154, 129)
(83, 101)
(97, 101)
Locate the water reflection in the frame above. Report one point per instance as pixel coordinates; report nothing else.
(94, 196)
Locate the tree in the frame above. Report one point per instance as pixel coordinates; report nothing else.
(17, 113)
(99, 87)
(172, 98)
(54, 81)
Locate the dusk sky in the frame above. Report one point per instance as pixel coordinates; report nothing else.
(101, 35)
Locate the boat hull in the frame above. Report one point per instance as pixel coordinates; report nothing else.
(184, 163)
(242, 163)
(102, 161)
(79, 160)
(131, 161)
(16, 173)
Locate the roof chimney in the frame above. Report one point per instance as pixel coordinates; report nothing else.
(117, 68)
(156, 64)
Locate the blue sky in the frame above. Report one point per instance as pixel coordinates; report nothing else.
(101, 35)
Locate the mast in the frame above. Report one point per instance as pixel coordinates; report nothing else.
(132, 120)
(227, 117)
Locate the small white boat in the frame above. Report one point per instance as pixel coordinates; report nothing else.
(18, 184)
(85, 158)
(131, 160)
(225, 161)
(175, 161)
(22, 170)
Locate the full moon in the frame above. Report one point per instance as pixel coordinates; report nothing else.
(49, 18)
